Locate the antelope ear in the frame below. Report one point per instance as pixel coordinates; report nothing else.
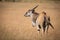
(35, 7)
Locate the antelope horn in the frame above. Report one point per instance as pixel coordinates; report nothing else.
(35, 7)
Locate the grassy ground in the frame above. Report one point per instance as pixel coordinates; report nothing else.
(14, 26)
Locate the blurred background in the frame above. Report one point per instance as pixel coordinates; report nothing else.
(14, 26)
(29, 0)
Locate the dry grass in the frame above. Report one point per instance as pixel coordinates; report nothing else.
(14, 26)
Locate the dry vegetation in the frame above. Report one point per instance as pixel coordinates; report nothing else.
(14, 26)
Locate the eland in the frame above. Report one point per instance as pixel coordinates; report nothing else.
(41, 21)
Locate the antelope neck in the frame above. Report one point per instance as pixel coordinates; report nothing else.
(34, 17)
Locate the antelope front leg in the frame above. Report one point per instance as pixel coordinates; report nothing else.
(38, 26)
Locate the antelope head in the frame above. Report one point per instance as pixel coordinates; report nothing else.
(30, 11)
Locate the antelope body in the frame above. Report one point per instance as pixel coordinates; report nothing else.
(39, 20)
